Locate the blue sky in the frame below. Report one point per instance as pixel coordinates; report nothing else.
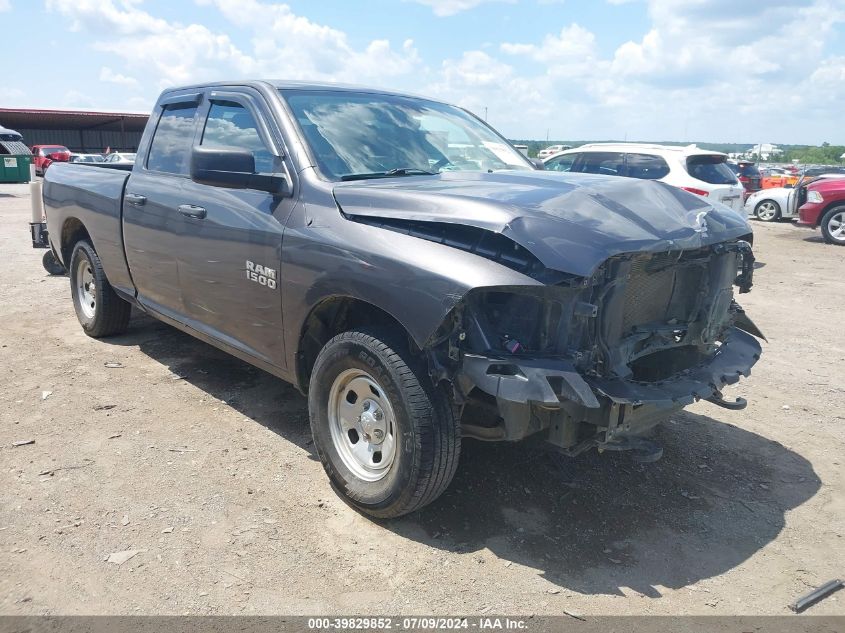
(706, 70)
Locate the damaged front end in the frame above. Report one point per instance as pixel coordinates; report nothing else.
(598, 361)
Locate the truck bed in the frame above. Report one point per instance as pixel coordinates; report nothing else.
(74, 194)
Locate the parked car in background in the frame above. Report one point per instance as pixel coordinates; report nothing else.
(813, 172)
(748, 174)
(776, 177)
(121, 158)
(823, 206)
(769, 205)
(43, 155)
(551, 150)
(86, 158)
(691, 168)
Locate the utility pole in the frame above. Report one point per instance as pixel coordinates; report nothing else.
(485, 113)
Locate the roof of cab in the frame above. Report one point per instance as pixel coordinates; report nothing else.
(289, 84)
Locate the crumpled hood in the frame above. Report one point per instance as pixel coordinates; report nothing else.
(570, 222)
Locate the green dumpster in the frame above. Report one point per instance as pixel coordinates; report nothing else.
(15, 157)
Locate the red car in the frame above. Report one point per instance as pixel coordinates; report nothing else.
(43, 155)
(824, 206)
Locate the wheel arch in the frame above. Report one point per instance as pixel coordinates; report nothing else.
(73, 231)
(332, 316)
(828, 208)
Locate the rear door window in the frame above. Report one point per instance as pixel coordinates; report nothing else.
(711, 169)
(231, 125)
(606, 163)
(170, 151)
(646, 166)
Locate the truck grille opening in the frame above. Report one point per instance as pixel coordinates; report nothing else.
(658, 292)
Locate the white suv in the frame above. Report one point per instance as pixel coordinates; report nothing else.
(691, 168)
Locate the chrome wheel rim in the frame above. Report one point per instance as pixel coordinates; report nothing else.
(86, 289)
(767, 211)
(836, 226)
(362, 425)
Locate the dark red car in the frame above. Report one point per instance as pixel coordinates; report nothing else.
(43, 155)
(748, 175)
(824, 206)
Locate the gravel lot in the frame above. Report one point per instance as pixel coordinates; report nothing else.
(204, 467)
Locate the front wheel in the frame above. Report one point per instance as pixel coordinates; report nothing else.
(833, 226)
(767, 211)
(387, 437)
(99, 310)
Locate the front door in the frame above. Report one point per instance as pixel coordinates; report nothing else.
(231, 248)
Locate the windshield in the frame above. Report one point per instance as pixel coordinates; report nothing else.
(373, 135)
(711, 168)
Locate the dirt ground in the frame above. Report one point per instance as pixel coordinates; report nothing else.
(204, 466)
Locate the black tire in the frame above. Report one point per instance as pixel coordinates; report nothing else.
(767, 211)
(51, 264)
(107, 314)
(833, 225)
(428, 440)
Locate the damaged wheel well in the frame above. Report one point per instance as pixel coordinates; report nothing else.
(331, 317)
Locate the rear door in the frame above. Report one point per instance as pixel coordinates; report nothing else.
(230, 251)
(153, 228)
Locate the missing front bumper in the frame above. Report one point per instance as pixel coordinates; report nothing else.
(578, 412)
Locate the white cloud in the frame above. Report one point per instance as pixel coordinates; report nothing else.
(704, 69)
(109, 76)
(5, 5)
(445, 8)
(281, 43)
(569, 54)
(290, 44)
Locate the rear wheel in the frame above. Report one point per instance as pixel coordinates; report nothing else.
(833, 226)
(99, 310)
(51, 264)
(387, 437)
(767, 211)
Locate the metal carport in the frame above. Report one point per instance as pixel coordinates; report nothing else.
(78, 130)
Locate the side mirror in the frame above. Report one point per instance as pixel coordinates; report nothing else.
(538, 164)
(232, 168)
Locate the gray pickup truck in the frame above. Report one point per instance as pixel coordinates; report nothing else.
(405, 267)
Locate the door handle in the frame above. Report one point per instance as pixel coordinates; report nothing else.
(134, 198)
(192, 211)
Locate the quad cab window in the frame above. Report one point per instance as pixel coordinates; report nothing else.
(170, 151)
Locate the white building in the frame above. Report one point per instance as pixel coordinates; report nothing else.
(764, 151)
